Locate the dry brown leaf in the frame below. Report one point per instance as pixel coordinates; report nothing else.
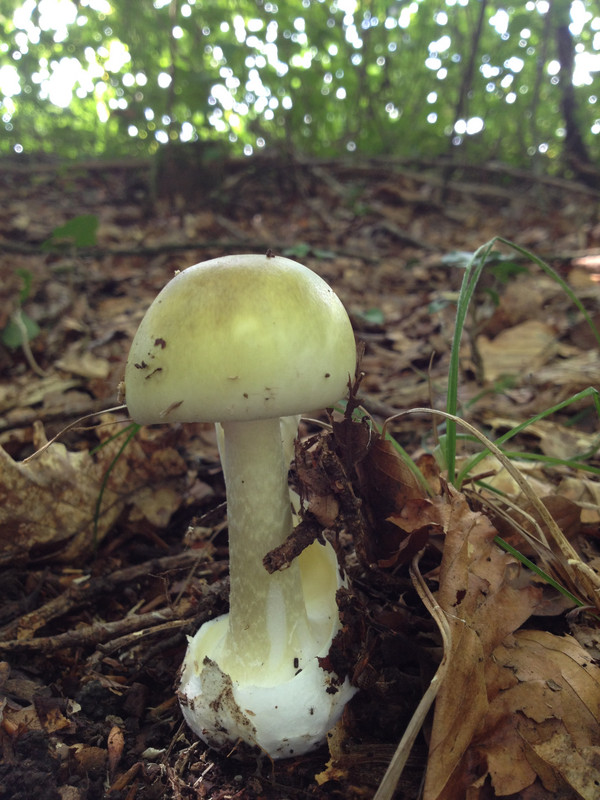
(587, 634)
(584, 491)
(22, 392)
(115, 744)
(15, 718)
(482, 608)
(83, 363)
(554, 439)
(156, 504)
(526, 297)
(54, 713)
(543, 718)
(386, 480)
(90, 760)
(500, 479)
(578, 767)
(565, 513)
(395, 502)
(575, 374)
(524, 347)
(47, 505)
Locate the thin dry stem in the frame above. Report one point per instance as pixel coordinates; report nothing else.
(392, 775)
(29, 357)
(68, 427)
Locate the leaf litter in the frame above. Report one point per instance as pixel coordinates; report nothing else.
(108, 562)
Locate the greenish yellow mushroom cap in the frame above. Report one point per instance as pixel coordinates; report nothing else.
(237, 338)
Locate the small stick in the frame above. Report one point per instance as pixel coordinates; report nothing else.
(387, 787)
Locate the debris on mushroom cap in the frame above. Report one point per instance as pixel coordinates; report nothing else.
(240, 337)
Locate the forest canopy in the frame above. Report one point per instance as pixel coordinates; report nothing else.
(471, 78)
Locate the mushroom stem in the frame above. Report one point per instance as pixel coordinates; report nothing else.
(268, 631)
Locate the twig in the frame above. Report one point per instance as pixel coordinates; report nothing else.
(134, 625)
(214, 596)
(83, 593)
(17, 318)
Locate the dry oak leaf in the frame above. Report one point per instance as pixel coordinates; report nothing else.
(47, 506)
(482, 606)
(543, 720)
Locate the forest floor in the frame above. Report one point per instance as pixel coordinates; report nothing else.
(111, 554)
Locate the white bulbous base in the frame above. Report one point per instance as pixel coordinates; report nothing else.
(283, 717)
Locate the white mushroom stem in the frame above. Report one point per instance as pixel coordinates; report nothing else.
(268, 633)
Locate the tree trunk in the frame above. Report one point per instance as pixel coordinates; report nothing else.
(575, 152)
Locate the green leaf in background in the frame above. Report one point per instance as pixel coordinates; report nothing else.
(457, 258)
(77, 232)
(303, 249)
(505, 269)
(374, 316)
(439, 304)
(327, 79)
(12, 335)
(27, 278)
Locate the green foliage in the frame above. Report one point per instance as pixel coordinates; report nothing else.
(14, 335)
(372, 316)
(323, 77)
(129, 432)
(473, 273)
(27, 279)
(21, 327)
(77, 232)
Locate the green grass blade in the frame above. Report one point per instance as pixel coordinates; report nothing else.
(131, 430)
(590, 392)
(556, 277)
(469, 284)
(534, 568)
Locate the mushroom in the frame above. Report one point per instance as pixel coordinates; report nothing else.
(243, 341)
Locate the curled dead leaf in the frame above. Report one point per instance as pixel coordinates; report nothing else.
(482, 606)
(387, 482)
(115, 743)
(61, 490)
